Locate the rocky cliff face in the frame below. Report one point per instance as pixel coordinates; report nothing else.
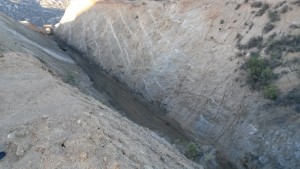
(46, 123)
(187, 57)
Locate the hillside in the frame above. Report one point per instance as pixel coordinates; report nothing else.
(50, 117)
(226, 72)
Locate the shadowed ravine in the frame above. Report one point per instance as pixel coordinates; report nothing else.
(123, 101)
(130, 106)
(44, 120)
(218, 80)
(189, 58)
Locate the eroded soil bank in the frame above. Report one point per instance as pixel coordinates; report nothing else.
(131, 107)
(45, 120)
(227, 72)
(46, 123)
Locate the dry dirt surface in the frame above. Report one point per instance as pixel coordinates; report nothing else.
(46, 123)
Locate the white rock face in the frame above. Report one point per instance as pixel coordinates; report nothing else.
(181, 55)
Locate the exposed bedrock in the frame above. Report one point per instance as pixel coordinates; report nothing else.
(181, 56)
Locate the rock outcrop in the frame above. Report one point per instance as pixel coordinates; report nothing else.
(181, 55)
(46, 123)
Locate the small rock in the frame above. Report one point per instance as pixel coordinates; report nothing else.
(45, 116)
(263, 159)
(105, 159)
(40, 149)
(83, 155)
(48, 31)
(2, 154)
(10, 135)
(22, 149)
(22, 133)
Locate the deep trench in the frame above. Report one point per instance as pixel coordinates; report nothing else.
(140, 112)
(124, 101)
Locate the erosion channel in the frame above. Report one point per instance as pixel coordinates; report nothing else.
(119, 98)
(122, 100)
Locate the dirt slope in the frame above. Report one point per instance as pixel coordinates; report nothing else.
(187, 57)
(46, 123)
